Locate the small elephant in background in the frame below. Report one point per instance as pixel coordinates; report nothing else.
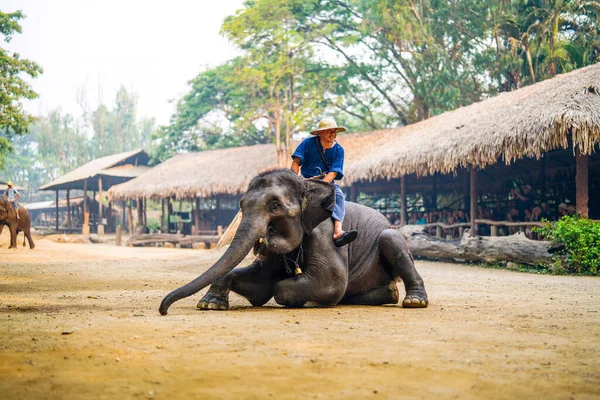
(287, 221)
(8, 217)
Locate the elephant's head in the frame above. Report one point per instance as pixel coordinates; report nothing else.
(278, 209)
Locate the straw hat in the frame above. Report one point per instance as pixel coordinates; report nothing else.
(9, 183)
(327, 124)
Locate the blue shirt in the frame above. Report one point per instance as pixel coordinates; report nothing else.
(310, 159)
(11, 194)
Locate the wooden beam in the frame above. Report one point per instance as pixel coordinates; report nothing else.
(434, 191)
(163, 217)
(100, 225)
(197, 216)
(582, 184)
(85, 205)
(100, 211)
(403, 210)
(140, 212)
(57, 210)
(473, 184)
(69, 209)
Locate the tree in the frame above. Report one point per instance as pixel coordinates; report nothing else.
(13, 88)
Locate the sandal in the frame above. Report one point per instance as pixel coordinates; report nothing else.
(346, 238)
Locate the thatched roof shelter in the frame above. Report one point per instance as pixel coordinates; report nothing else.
(524, 123)
(113, 169)
(202, 174)
(528, 122)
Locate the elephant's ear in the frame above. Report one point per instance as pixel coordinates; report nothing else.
(318, 200)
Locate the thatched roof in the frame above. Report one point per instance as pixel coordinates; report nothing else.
(203, 174)
(128, 167)
(524, 123)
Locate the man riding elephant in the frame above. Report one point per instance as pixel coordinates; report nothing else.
(15, 217)
(286, 219)
(12, 195)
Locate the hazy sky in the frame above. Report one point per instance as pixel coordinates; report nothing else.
(151, 47)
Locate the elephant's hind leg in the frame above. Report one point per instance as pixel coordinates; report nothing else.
(396, 254)
(30, 240)
(387, 294)
(254, 282)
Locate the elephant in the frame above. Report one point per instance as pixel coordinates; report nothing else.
(8, 217)
(286, 219)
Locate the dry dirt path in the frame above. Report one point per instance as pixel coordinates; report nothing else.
(80, 321)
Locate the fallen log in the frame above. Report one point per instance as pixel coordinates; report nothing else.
(145, 239)
(516, 248)
(187, 241)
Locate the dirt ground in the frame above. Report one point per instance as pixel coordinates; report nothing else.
(80, 321)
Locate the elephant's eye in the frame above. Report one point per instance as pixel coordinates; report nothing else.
(275, 205)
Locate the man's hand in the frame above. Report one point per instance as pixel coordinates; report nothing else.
(330, 177)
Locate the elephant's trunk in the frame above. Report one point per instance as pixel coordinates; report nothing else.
(247, 233)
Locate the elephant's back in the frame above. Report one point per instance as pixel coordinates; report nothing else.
(369, 224)
(364, 217)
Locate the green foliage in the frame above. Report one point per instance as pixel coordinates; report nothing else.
(13, 88)
(153, 224)
(581, 240)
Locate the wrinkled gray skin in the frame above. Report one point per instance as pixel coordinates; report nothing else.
(286, 210)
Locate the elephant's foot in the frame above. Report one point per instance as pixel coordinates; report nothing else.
(214, 301)
(416, 298)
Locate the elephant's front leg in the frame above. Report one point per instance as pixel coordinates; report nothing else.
(323, 281)
(13, 236)
(254, 282)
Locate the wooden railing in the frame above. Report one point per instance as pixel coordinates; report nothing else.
(440, 227)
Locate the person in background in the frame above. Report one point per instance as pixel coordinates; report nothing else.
(12, 195)
(563, 210)
(524, 200)
(545, 214)
(322, 157)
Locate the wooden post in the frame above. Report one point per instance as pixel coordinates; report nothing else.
(124, 206)
(438, 231)
(494, 230)
(180, 224)
(130, 216)
(197, 216)
(403, 211)
(218, 210)
(140, 212)
(69, 209)
(118, 236)
(85, 229)
(162, 215)
(100, 211)
(581, 184)
(473, 184)
(434, 192)
(109, 217)
(57, 210)
(145, 214)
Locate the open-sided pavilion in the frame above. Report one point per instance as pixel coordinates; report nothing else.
(98, 175)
